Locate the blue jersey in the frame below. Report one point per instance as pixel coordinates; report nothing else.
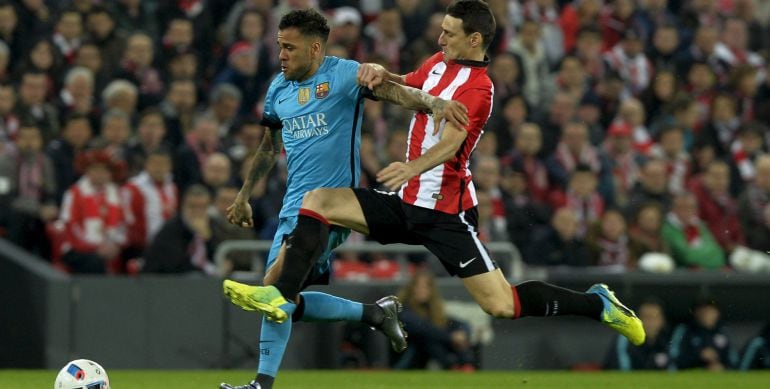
(320, 120)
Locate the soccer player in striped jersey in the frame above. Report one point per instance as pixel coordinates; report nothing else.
(435, 202)
(313, 111)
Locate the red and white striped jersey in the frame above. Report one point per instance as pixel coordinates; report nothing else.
(147, 205)
(447, 187)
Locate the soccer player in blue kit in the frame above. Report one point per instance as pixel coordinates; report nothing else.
(314, 109)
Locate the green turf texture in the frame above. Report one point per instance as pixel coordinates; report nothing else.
(152, 379)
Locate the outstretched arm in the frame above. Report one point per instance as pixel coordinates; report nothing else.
(397, 173)
(389, 87)
(239, 213)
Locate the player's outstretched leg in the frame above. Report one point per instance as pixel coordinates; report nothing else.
(537, 298)
(303, 248)
(382, 315)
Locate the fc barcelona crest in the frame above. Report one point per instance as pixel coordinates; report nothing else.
(322, 90)
(303, 96)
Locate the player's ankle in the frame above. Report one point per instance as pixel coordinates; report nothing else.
(372, 315)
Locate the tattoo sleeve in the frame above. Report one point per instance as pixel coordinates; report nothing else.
(263, 160)
(408, 97)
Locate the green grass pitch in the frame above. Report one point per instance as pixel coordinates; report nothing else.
(210, 379)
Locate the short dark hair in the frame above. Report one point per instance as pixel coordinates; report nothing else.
(476, 17)
(308, 21)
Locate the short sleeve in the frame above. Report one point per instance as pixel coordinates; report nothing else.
(416, 78)
(346, 77)
(479, 104)
(269, 117)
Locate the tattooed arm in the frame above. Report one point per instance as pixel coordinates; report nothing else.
(389, 87)
(239, 213)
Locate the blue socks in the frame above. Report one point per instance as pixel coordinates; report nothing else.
(325, 307)
(272, 342)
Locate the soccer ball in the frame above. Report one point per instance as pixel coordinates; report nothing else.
(82, 374)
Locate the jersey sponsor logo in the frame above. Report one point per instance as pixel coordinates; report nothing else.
(303, 96)
(437, 196)
(322, 90)
(306, 126)
(465, 264)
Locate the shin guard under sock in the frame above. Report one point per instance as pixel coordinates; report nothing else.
(537, 298)
(303, 247)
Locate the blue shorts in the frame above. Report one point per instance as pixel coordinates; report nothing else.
(337, 236)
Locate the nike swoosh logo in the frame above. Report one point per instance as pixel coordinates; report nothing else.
(282, 100)
(436, 73)
(464, 264)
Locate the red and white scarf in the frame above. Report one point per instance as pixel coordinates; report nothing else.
(588, 155)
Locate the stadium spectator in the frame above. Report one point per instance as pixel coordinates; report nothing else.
(692, 244)
(103, 32)
(672, 152)
(659, 94)
(137, 67)
(608, 243)
(178, 110)
(702, 343)
(575, 149)
(149, 200)
(754, 207)
(701, 86)
(576, 16)
(627, 59)
(665, 46)
(346, 32)
(75, 137)
(185, 243)
(624, 162)
(241, 72)
(756, 354)
(77, 95)
(89, 57)
(150, 133)
(651, 187)
(432, 335)
(581, 196)
(68, 34)
(114, 135)
(178, 37)
(32, 106)
(487, 179)
(216, 172)
(43, 57)
(645, 231)
(523, 213)
(244, 142)
(546, 13)
(534, 63)
(723, 126)
(9, 120)
(653, 354)
(224, 102)
(120, 94)
(134, 15)
(716, 207)
(746, 149)
(28, 191)
(508, 124)
(558, 244)
(10, 32)
(427, 43)
(524, 157)
(200, 143)
(560, 112)
(92, 215)
(384, 37)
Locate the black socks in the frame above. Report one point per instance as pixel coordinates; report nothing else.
(303, 247)
(372, 315)
(537, 298)
(265, 381)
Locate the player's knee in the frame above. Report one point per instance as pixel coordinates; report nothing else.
(499, 309)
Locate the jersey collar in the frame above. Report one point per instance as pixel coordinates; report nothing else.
(470, 62)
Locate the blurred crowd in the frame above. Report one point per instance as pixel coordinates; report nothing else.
(620, 128)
